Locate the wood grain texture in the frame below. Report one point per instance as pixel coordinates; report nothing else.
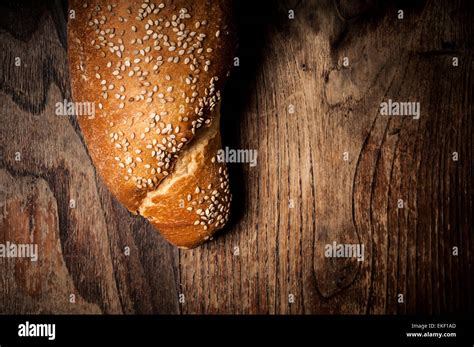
(292, 99)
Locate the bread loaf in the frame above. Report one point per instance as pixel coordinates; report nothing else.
(155, 71)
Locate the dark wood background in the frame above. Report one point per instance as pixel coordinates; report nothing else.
(292, 100)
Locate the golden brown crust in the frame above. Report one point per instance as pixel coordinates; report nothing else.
(197, 192)
(154, 71)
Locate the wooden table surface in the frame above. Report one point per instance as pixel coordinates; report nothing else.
(330, 168)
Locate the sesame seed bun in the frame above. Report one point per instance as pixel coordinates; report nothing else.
(155, 71)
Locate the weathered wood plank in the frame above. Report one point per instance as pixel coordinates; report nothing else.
(294, 101)
(94, 234)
